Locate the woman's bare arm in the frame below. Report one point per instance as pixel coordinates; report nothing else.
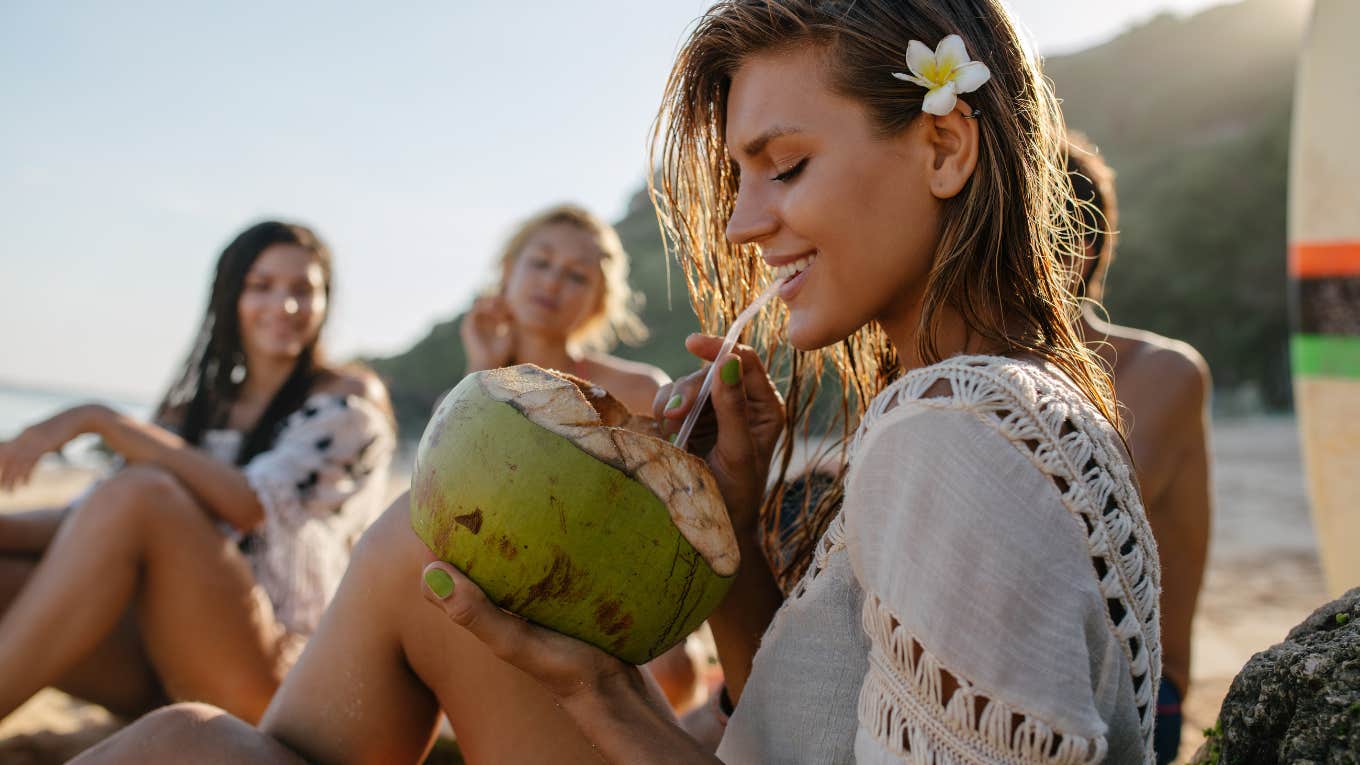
(222, 488)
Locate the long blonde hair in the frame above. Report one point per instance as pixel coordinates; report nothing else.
(999, 262)
(615, 317)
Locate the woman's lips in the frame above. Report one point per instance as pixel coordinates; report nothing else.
(794, 275)
(790, 287)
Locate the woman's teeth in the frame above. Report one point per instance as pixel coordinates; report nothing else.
(789, 270)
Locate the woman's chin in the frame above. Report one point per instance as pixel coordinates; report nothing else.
(280, 353)
(806, 336)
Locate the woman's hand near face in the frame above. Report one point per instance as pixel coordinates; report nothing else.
(737, 435)
(19, 456)
(488, 334)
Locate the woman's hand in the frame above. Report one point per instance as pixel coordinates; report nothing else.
(566, 667)
(488, 334)
(19, 456)
(612, 702)
(737, 435)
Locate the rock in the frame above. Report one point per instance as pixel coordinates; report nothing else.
(1298, 701)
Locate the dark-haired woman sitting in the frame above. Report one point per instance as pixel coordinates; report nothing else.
(198, 569)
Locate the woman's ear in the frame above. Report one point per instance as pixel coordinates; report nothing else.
(953, 141)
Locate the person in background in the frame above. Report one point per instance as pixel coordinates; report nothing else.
(562, 302)
(1163, 387)
(198, 569)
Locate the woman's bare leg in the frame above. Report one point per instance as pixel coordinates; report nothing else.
(141, 538)
(117, 674)
(371, 683)
(29, 533)
(194, 733)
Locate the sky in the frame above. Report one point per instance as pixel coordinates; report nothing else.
(137, 138)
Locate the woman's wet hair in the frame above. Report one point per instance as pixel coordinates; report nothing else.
(1096, 207)
(201, 398)
(1005, 239)
(615, 317)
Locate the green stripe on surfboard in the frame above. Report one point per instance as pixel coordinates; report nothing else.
(1326, 356)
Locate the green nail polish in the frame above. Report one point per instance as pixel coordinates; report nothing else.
(730, 372)
(675, 401)
(439, 582)
(672, 437)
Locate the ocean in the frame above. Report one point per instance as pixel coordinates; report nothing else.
(24, 406)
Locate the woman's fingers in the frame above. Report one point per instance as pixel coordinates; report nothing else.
(673, 400)
(561, 664)
(759, 386)
(16, 464)
(733, 449)
(466, 604)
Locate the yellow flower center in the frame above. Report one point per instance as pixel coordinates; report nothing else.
(938, 72)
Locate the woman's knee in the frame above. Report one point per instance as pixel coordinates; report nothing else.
(389, 542)
(189, 732)
(140, 490)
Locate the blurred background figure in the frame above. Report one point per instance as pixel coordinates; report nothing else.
(1162, 386)
(562, 302)
(200, 566)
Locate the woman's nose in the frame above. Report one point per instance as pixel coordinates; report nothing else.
(751, 221)
(553, 281)
(290, 305)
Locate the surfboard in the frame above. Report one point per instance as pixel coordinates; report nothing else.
(1324, 269)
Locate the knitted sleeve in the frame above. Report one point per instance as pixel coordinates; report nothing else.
(986, 624)
(326, 453)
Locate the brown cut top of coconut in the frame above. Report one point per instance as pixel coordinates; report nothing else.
(601, 426)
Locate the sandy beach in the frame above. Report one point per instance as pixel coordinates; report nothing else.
(1263, 578)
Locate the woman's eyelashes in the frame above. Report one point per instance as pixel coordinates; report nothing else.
(792, 172)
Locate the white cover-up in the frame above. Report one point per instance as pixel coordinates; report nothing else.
(321, 484)
(991, 540)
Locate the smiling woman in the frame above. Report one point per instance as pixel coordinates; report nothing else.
(260, 469)
(562, 302)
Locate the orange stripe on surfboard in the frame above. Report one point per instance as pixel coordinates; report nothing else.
(1311, 260)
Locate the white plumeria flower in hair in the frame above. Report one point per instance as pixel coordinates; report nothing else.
(945, 73)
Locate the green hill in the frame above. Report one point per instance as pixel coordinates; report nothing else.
(1193, 114)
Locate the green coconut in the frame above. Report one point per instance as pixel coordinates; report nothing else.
(569, 512)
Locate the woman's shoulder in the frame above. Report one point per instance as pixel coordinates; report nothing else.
(632, 382)
(1010, 389)
(346, 411)
(1027, 403)
(352, 382)
(624, 369)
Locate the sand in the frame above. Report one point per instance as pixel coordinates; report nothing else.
(1263, 578)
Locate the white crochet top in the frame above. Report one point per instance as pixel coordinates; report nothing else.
(321, 484)
(991, 543)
